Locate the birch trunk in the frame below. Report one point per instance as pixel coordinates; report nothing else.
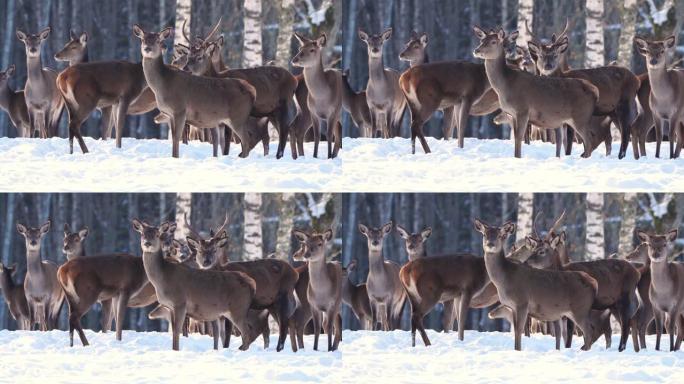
(183, 13)
(183, 207)
(252, 53)
(626, 44)
(285, 226)
(629, 211)
(525, 13)
(595, 50)
(595, 239)
(285, 28)
(525, 212)
(253, 248)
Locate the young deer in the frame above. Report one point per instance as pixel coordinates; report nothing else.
(667, 287)
(644, 315)
(43, 100)
(203, 295)
(14, 103)
(43, 292)
(385, 290)
(544, 294)
(325, 287)
(547, 102)
(667, 90)
(385, 99)
(356, 297)
(356, 104)
(325, 92)
(202, 100)
(14, 296)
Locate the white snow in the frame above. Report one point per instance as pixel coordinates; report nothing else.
(363, 357)
(368, 165)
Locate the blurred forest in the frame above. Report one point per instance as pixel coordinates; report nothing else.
(448, 24)
(451, 218)
(109, 27)
(253, 233)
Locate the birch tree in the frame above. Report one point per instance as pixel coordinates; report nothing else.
(253, 240)
(183, 207)
(525, 13)
(285, 226)
(285, 29)
(626, 45)
(183, 14)
(252, 52)
(525, 211)
(629, 211)
(595, 239)
(7, 50)
(595, 49)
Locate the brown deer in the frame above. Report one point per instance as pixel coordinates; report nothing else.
(43, 100)
(386, 101)
(14, 103)
(302, 314)
(203, 295)
(203, 100)
(14, 296)
(43, 292)
(356, 296)
(385, 290)
(617, 279)
(548, 102)
(356, 104)
(644, 315)
(644, 120)
(617, 85)
(544, 294)
(667, 286)
(325, 287)
(325, 92)
(275, 279)
(666, 96)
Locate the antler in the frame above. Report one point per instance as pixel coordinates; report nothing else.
(185, 35)
(529, 32)
(225, 222)
(192, 230)
(213, 31)
(534, 224)
(556, 224)
(563, 34)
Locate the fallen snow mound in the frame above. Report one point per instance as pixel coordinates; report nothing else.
(363, 357)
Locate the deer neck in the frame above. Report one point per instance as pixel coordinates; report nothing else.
(5, 97)
(76, 255)
(347, 290)
(34, 67)
(154, 265)
(497, 71)
(423, 60)
(496, 264)
(155, 71)
(661, 87)
(661, 280)
(7, 285)
(376, 262)
(83, 58)
(415, 255)
(376, 70)
(318, 275)
(314, 77)
(33, 261)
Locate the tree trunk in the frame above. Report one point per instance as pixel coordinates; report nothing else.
(253, 248)
(595, 50)
(183, 207)
(525, 212)
(252, 53)
(183, 13)
(7, 50)
(629, 211)
(626, 44)
(285, 28)
(285, 226)
(525, 13)
(595, 240)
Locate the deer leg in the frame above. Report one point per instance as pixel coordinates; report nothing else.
(228, 325)
(283, 131)
(635, 333)
(106, 317)
(284, 311)
(75, 323)
(621, 119)
(292, 328)
(122, 304)
(227, 138)
(680, 138)
(316, 133)
(316, 315)
(671, 326)
(665, 123)
(658, 133)
(336, 131)
(571, 333)
(214, 141)
(177, 320)
(557, 333)
(464, 304)
(463, 113)
(519, 126)
(329, 328)
(417, 319)
(216, 333)
(448, 315)
(658, 317)
(519, 320)
(105, 123)
(680, 331)
(448, 123)
(176, 124)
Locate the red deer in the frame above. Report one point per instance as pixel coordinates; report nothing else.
(385, 290)
(544, 294)
(617, 279)
(325, 91)
(302, 314)
(548, 102)
(667, 287)
(325, 287)
(356, 104)
(43, 101)
(203, 102)
(644, 120)
(275, 279)
(644, 315)
(14, 103)
(386, 102)
(43, 292)
(14, 296)
(356, 297)
(203, 295)
(666, 97)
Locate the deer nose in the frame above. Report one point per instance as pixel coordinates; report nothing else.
(148, 49)
(33, 50)
(148, 244)
(33, 242)
(375, 242)
(375, 50)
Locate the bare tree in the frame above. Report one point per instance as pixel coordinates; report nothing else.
(525, 14)
(285, 28)
(183, 208)
(253, 239)
(252, 53)
(595, 237)
(183, 15)
(626, 46)
(595, 50)
(525, 211)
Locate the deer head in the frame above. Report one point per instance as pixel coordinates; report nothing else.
(199, 59)
(375, 42)
(73, 241)
(415, 48)
(151, 43)
(73, 49)
(548, 56)
(415, 242)
(492, 43)
(7, 273)
(150, 236)
(655, 51)
(309, 53)
(657, 244)
(493, 237)
(314, 243)
(33, 43)
(375, 236)
(5, 76)
(544, 251)
(206, 251)
(34, 235)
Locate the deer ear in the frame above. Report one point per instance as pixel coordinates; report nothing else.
(137, 225)
(387, 34)
(501, 34)
(193, 244)
(45, 228)
(322, 40)
(164, 227)
(45, 33)
(83, 38)
(165, 33)
(555, 241)
(83, 233)
(300, 235)
(301, 39)
(513, 36)
(672, 235)
(67, 229)
(563, 236)
(642, 236)
(10, 70)
(363, 229)
(402, 232)
(172, 226)
(670, 42)
(562, 46)
(21, 35)
(534, 48)
(387, 228)
(425, 233)
(328, 234)
(21, 229)
(223, 239)
(363, 36)
(424, 39)
(138, 31)
(508, 229)
(479, 32)
(479, 226)
(531, 242)
(641, 44)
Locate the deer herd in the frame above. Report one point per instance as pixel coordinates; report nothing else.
(533, 284)
(199, 97)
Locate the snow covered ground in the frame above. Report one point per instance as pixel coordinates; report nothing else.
(363, 357)
(369, 165)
